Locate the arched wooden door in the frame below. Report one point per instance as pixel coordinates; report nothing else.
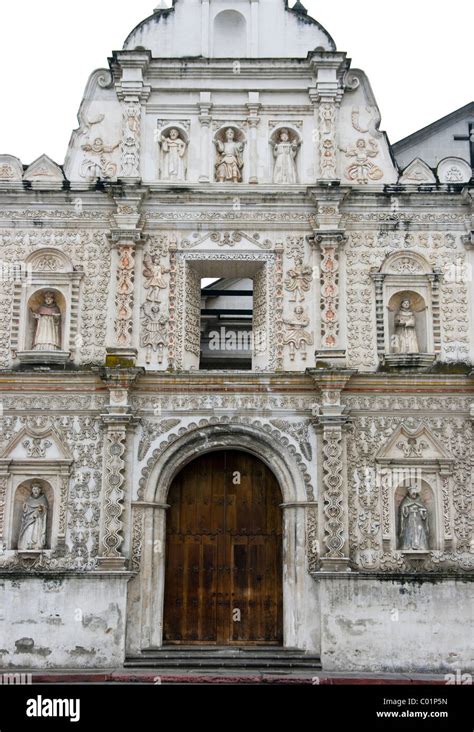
(223, 582)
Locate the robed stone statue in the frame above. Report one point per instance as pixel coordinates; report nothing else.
(34, 521)
(414, 527)
(48, 317)
(405, 339)
(230, 161)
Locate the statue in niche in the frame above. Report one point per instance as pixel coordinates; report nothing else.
(154, 274)
(298, 280)
(405, 339)
(48, 316)
(296, 336)
(229, 162)
(285, 152)
(34, 520)
(154, 330)
(414, 527)
(363, 169)
(173, 150)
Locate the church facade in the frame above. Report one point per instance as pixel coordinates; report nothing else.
(319, 498)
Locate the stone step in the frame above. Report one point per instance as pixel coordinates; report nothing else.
(224, 652)
(224, 658)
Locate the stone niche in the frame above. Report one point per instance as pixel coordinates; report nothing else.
(407, 311)
(23, 494)
(289, 170)
(230, 150)
(49, 271)
(416, 459)
(426, 499)
(173, 149)
(35, 455)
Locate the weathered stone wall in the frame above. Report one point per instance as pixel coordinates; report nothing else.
(402, 625)
(62, 622)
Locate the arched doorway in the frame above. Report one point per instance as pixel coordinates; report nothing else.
(223, 578)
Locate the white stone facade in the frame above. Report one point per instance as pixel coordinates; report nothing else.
(343, 417)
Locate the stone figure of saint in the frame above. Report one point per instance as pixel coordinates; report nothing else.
(405, 339)
(154, 336)
(154, 275)
(34, 521)
(414, 530)
(298, 280)
(229, 162)
(285, 153)
(48, 316)
(363, 169)
(296, 336)
(173, 150)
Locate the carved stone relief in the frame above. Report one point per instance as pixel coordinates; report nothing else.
(365, 253)
(88, 249)
(374, 543)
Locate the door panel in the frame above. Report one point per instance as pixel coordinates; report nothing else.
(223, 553)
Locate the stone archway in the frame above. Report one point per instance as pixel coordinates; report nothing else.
(146, 591)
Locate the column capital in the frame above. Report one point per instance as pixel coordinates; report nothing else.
(333, 238)
(331, 379)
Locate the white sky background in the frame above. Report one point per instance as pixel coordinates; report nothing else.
(416, 54)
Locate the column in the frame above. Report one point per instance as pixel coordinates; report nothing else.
(118, 424)
(253, 120)
(206, 155)
(329, 244)
(378, 279)
(131, 139)
(205, 28)
(254, 28)
(328, 240)
(326, 97)
(132, 93)
(331, 420)
(125, 336)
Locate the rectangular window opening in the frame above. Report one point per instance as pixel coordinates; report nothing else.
(226, 324)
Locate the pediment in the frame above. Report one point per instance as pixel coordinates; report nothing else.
(32, 444)
(454, 170)
(417, 173)
(11, 169)
(43, 170)
(225, 240)
(406, 446)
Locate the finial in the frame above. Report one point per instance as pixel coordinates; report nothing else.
(298, 7)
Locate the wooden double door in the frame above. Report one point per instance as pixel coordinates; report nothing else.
(223, 583)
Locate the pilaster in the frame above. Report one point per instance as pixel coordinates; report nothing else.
(331, 418)
(119, 423)
(327, 241)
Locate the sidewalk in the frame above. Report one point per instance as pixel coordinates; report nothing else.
(153, 676)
